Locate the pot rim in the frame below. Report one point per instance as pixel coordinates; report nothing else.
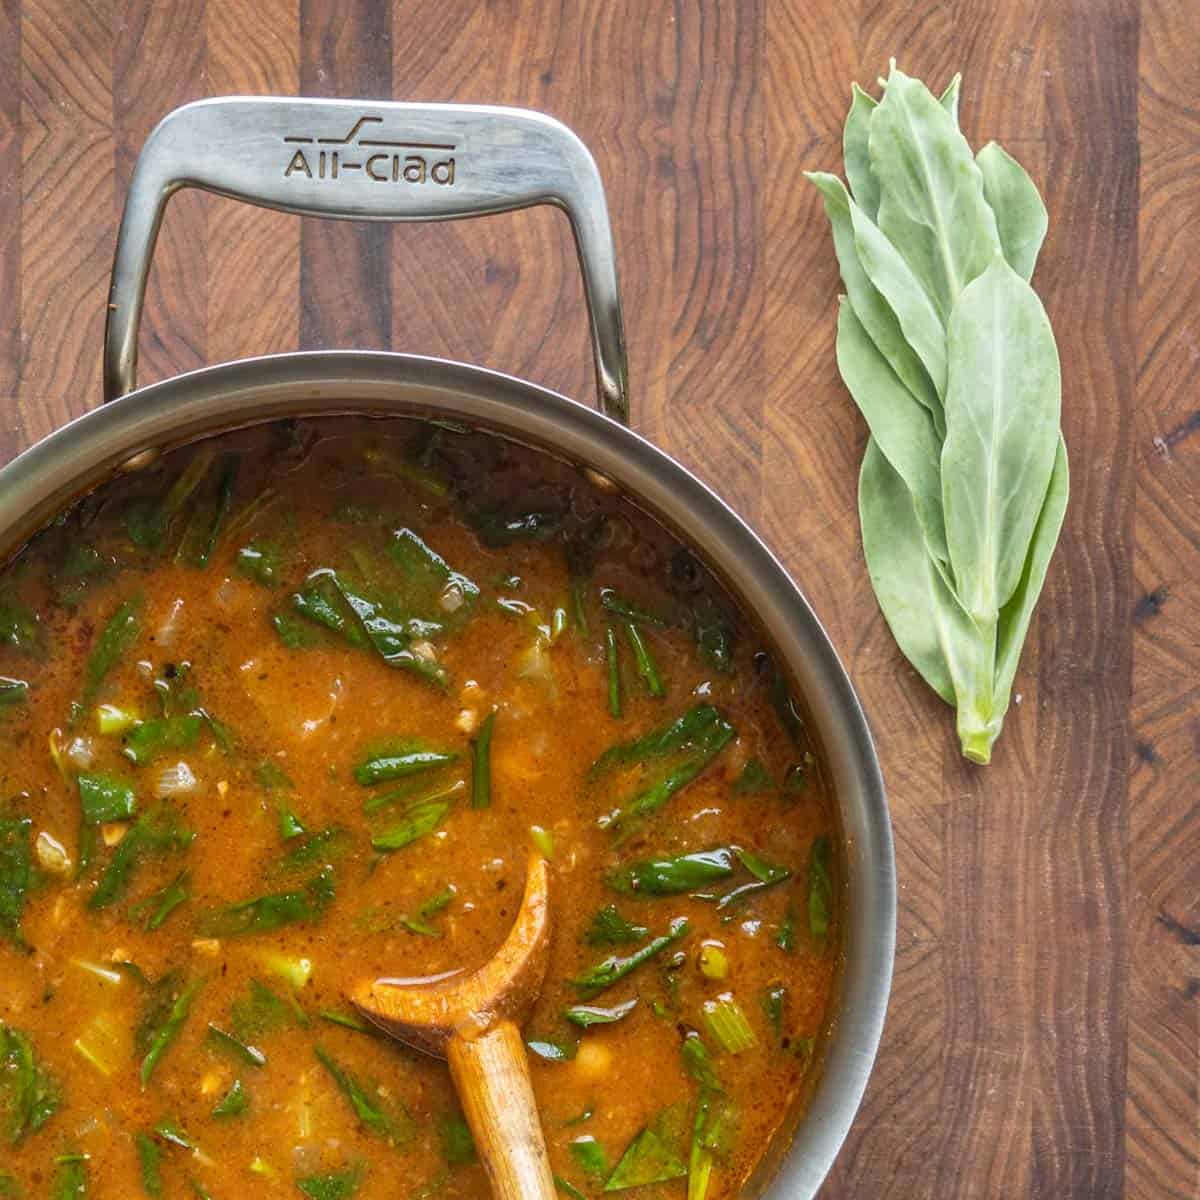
(77, 457)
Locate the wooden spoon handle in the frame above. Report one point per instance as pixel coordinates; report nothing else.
(492, 1077)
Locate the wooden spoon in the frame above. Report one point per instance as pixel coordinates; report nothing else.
(472, 1021)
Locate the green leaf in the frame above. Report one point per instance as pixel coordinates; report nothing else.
(266, 913)
(697, 1062)
(263, 561)
(1016, 614)
(752, 778)
(587, 1015)
(671, 876)
(158, 906)
(481, 756)
(931, 192)
(1021, 217)
(339, 1185)
(551, 1051)
(609, 928)
(233, 1104)
(157, 831)
(901, 428)
(924, 615)
(431, 589)
(261, 1012)
(20, 627)
(71, 1182)
(873, 310)
(855, 151)
(226, 1043)
(648, 1159)
(419, 820)
(114, 642)
(151, 739)
(613, 662)
(458, 1146)
(644, 662)
(949, 98)
(615, 968)
(13, 692)
(399, 760)
(162, 1037)
(774, 998)
(150, 1163)
(392, 1126)
(321, 847)
(106, 798)
(16, 874)
(820, 890)
(29, 1094)
(1002, 414)
(590, 1155)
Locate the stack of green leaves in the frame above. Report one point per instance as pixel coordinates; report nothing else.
(949, 355)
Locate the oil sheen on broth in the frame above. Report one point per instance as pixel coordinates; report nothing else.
(289, 710)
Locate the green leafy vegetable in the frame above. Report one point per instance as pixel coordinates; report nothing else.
(261, 1012)
(458, 1146)
(158, 906)
(263, 561)
(627, 610)
(551, 1051)
(774, 998)
(394, 1126)
(568, 1188)
(157, 831)
(20, 627)
(16, 874)
(106, 798)
(111, 646)
(419, 819)
(609, 928)
(644, 662)
(234, 1103)
(671, 876)
(614, 671)
(820, 890)
(947, 351)
(29, 1095)
(650, 1158)
(266, 913)
(587, 1015)
(13, 691)
(174, 1134)
(71, 1181)
(338, 1185)
(614, 968)
(150, 1163)
(160, 1026)
(227, 1044)
(151, 739)
(399, 760)
(321, 847)
(481, 775)
(590, 1155)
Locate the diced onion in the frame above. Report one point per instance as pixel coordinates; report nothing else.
(175, 781)
(51, 854)
(80, 753)
(165, 635)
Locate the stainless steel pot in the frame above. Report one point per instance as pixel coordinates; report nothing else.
(411, 162)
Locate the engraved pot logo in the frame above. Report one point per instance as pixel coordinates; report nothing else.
(379, 159)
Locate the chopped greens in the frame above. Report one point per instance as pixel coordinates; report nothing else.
(671, 876)
(261, 1011)
(19, 627)
(820, 890)
(158, 906)
(263, 561)
(614, 968)
(550, 1050)
(609, 928)
(628, 611)
(649, 1158)
(16, 874)
(152, 739)
(71, 1182)
(753, 778)
(393, 1126)
(226, 1043)
(590, 1155)
(614, 671)
(418, 820)
(458, 1146)
(156, 831)
(115, 639)
(150, 1163)
(337, 1185)
(234, 1103)
(163, 1019)
(29, 1095)
(266, 913)
(399, 760)
(586, 1015)
(13, 691)
(644, 661)
(481, 776)
(774, 998)
(106, 798)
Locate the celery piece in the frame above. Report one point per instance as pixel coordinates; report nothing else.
(728, 1025)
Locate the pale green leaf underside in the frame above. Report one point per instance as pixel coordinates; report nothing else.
(863, 185)
(949, 98)
(1002, 414)
(1020, 214)
(925, 619)
(901, 428)
(870, 306)
(931, 192)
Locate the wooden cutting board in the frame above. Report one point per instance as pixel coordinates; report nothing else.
(1044, 1033)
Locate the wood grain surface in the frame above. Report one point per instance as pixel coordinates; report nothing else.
(1043, 1038)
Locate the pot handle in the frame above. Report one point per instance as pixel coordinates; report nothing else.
(372, 161)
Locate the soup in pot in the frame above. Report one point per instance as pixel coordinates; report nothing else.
(290, 710)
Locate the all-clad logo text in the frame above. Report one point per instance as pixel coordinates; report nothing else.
(379, 159)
